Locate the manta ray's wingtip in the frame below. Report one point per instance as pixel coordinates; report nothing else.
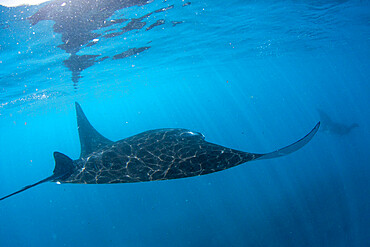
(292, 147)
(77, 105)
(79, 112)
(317, 126)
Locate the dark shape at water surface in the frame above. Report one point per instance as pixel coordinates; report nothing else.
(131, 52)
(133, 24)
(329, 126)
(72, 44)
(102, 59)
(174, 23)
(157, 23)
(91, 44)
(112, 22)
(112, 35)
(110, 30)
(76, 21)
(153, 155)
(164, 9)
(76, 64)
(118, 21)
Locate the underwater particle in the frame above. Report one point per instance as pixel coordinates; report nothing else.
(227, 81)
(25, 123)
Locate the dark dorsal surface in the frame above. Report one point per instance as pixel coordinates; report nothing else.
(152, 155)
(156, 155)
(90, 139)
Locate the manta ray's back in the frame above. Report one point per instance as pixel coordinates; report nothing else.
(152, 155)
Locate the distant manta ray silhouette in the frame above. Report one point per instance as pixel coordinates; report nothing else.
(332, 127)
(153, 155)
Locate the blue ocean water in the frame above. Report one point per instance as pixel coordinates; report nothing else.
(249, 75)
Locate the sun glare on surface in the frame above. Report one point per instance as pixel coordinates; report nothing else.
(14, 3)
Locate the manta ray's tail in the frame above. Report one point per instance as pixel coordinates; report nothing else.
(292, 147)
(28, 187)
(63, 168)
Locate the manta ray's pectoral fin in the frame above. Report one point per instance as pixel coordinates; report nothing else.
(63, 168)
(292, 147)
(90, 139)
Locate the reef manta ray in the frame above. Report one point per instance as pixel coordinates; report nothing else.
(159, 154)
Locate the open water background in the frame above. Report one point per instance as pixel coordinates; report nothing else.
(247, 74)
